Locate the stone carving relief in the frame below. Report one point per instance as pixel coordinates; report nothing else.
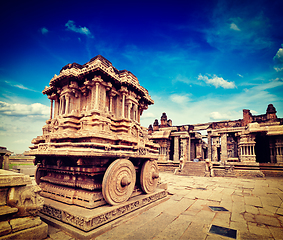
(26, 199)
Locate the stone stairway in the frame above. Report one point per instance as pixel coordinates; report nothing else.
(193, 169)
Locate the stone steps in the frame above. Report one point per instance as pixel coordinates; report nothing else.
(193, 169)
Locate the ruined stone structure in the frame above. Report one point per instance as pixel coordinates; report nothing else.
(249, 140)
(4, 158)
(177, 142)
(93, 149)
(20, 203)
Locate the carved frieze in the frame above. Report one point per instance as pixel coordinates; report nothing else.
(87, 224)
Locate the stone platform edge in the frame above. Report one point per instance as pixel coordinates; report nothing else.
(33, 233)
(107, 219)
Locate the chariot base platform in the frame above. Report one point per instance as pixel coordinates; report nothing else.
(83, 223)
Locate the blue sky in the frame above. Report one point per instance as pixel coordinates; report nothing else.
(201, 61)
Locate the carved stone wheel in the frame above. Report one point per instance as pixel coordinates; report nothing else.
(38, 174)
(118, 181)
(149, 176)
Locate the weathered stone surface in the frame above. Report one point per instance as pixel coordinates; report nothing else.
(93, 145)
(26, 199)
(3, 196)
(18, 224)
(175, 229)
(34, 233)
(267, 220)
(4, 210)
(9, 179)
(20, 203)
(5, 228)
(87, 219)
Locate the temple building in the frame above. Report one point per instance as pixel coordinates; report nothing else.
(255, 138)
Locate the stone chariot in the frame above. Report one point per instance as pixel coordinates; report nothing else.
(93, 149)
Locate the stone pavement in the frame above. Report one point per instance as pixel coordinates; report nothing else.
(255, 210)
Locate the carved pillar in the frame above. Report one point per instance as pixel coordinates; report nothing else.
(189, 148)
(56, 108)
(110, 103)
(214, 147)
(92, 102)
(184, 150)
(51, 108)
(60, 106)
(67, 104)
(209, 145)
(134, 111)
(167, 150)
(176, 149)
(96, 94)
(224, 152)
(129, 110)
(198, 150)
(6, 161)
(123, 104)
(1, 161)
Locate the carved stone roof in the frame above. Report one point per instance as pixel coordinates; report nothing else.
(99, 64)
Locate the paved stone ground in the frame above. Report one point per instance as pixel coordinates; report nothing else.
(255, 210)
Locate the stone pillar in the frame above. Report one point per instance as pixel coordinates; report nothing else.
(56, 108)
(224, 152)
(129, 110)
(60, 106)
(6, 161)
(215, 145)
(110, 103)
(51, 108)
(209, 145)
(123, 105)
(96, 94)
(67, 104)
(93, 90)
(1, 161)
(176, 149)
(189, 148)
(135, 112)
(167, 150)
(184, 150)
(198, 150)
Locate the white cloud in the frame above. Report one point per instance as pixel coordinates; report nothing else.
(278, 59)
(181, 78)
(18, 109)
(278, 69)
(44, 30)
(180, 99)
(82, 30)
(20, 123)
(233, 26)
(214, 107)
(18, 85)
(147, 115)
(240, 75)
(279, 55)
(218, 116)
(22, 141)
(254, 112)
(217, 81)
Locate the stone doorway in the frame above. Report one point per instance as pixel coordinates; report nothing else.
(262, 148)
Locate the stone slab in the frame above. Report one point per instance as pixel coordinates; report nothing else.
(102, 212)
(11, 179)
(4, 210)
(34, 233)
(5, 228)
(28, 171)
(19, 224)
